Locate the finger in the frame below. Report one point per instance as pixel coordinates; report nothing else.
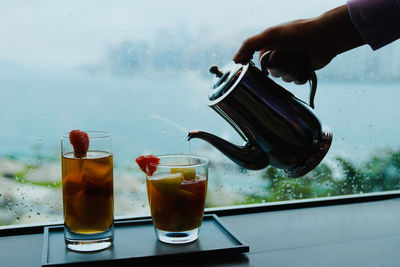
(294, 66)
(302, 77)
(296, 78)
(245, 52)
(253, 44)
(300, 82)
(288, 78)
(275, 73)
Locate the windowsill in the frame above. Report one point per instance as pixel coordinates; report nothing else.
(357, 230)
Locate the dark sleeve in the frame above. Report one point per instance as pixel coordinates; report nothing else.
(377, 21)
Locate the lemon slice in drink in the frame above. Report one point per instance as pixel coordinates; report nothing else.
(188, 173)
(168, 183)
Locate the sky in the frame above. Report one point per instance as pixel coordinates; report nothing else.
(45, 34)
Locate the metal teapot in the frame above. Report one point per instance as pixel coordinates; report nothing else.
(279, 129)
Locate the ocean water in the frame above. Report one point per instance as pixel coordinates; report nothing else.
(152, 115)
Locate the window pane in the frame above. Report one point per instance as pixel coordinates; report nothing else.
(140, 71)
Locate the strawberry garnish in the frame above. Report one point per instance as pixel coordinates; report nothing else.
(80, 142)
(148, 164)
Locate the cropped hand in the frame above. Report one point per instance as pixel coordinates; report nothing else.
(300, 46)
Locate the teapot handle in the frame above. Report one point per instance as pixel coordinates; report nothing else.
(312, 80)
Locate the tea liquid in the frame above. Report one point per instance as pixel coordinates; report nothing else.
(177, 207)
(88, 192)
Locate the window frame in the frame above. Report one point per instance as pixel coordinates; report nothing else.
(27, 229)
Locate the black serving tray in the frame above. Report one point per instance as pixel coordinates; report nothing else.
(136, 242)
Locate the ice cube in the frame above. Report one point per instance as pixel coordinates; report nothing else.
(72, 184)
(95, 171)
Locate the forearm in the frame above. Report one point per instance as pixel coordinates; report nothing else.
(337, 30)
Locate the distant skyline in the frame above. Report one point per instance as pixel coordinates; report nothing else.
(49, 34)
(181, 53)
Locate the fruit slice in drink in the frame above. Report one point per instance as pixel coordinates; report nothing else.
(88, 192)
(188, 173)
(176, 203)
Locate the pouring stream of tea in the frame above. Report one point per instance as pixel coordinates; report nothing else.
(174, 124)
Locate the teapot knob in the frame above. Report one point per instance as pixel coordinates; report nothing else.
(214, 70)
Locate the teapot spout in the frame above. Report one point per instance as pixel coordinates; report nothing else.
(249, 156)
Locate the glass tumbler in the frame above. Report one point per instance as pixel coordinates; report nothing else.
(88, 199)
(177, 193)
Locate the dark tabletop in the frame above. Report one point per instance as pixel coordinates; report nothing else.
(357, 234)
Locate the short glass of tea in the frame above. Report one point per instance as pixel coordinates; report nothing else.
(177, 193)
(87, 185)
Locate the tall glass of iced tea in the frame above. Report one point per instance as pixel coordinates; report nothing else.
(88, 200)
(177, 193)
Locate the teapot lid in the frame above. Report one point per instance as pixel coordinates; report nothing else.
(226, 80)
